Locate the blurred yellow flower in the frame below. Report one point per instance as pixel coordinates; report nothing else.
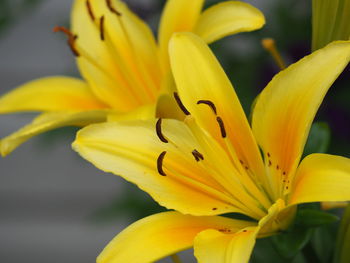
(330, 21)
(211, 163)
(125, 70)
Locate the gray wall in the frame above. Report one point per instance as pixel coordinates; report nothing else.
(47, 193)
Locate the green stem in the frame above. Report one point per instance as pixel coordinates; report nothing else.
(342, 248)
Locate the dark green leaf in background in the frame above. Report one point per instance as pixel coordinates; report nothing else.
(314, 218)
(289, 244)
(319, 139)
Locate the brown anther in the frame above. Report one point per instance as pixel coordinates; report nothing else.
(112, 9)
(197, 155)
(284, 173)
(246, 167)
(284, 181)
(222, 126)
(244, 230)
(268, 155)
(277, 167)
(287, 187)
(160, 163)
(209, 103)
(180, 104)
(214, 208)
(90, 12)
(270, 163)
(102, 28)
(159, 131)
(241, 161)
(225, 230)
(71, 39)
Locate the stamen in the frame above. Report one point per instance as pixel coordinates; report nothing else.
(71, 39)
(160, 163)
(277, 167)
(222, 126)
(63, 30)
(270, 46)
(268, 155)
(270, 163)
(89, 8)
(214, 208)
(102, 30)
(111, 8)
(180, 104)
(197, 155)
(159, 131)
(209, 103)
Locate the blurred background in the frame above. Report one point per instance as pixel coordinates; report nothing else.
(55, 207)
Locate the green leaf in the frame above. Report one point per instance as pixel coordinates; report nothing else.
(314, 218)
(289, 244)
(319, 139)
(264, 251)
(322, 242)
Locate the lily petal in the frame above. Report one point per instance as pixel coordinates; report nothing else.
(199, 76)
(50, 94)
(145, 112)
(286, 108)
(46, 122)
(161, 235)
(214, 246)
(169, 172)
(126, 54)
(228, 18)
(177, 16)
(320, 178)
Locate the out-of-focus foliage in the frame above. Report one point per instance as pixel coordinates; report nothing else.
(11, 11)
(319, 139)
(342, 253)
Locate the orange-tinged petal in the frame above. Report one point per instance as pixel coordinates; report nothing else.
(177, 16)
(214, 246)
(227, 18)
(169, 172)
(161, 235)
(50, 94)
(320, 178)
(199, 76)
(49, 121)
(286, 108)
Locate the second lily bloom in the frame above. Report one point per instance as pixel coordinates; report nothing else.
(126, 72)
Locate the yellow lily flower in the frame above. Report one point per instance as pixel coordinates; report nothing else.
(125, 70)
(211, 164)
